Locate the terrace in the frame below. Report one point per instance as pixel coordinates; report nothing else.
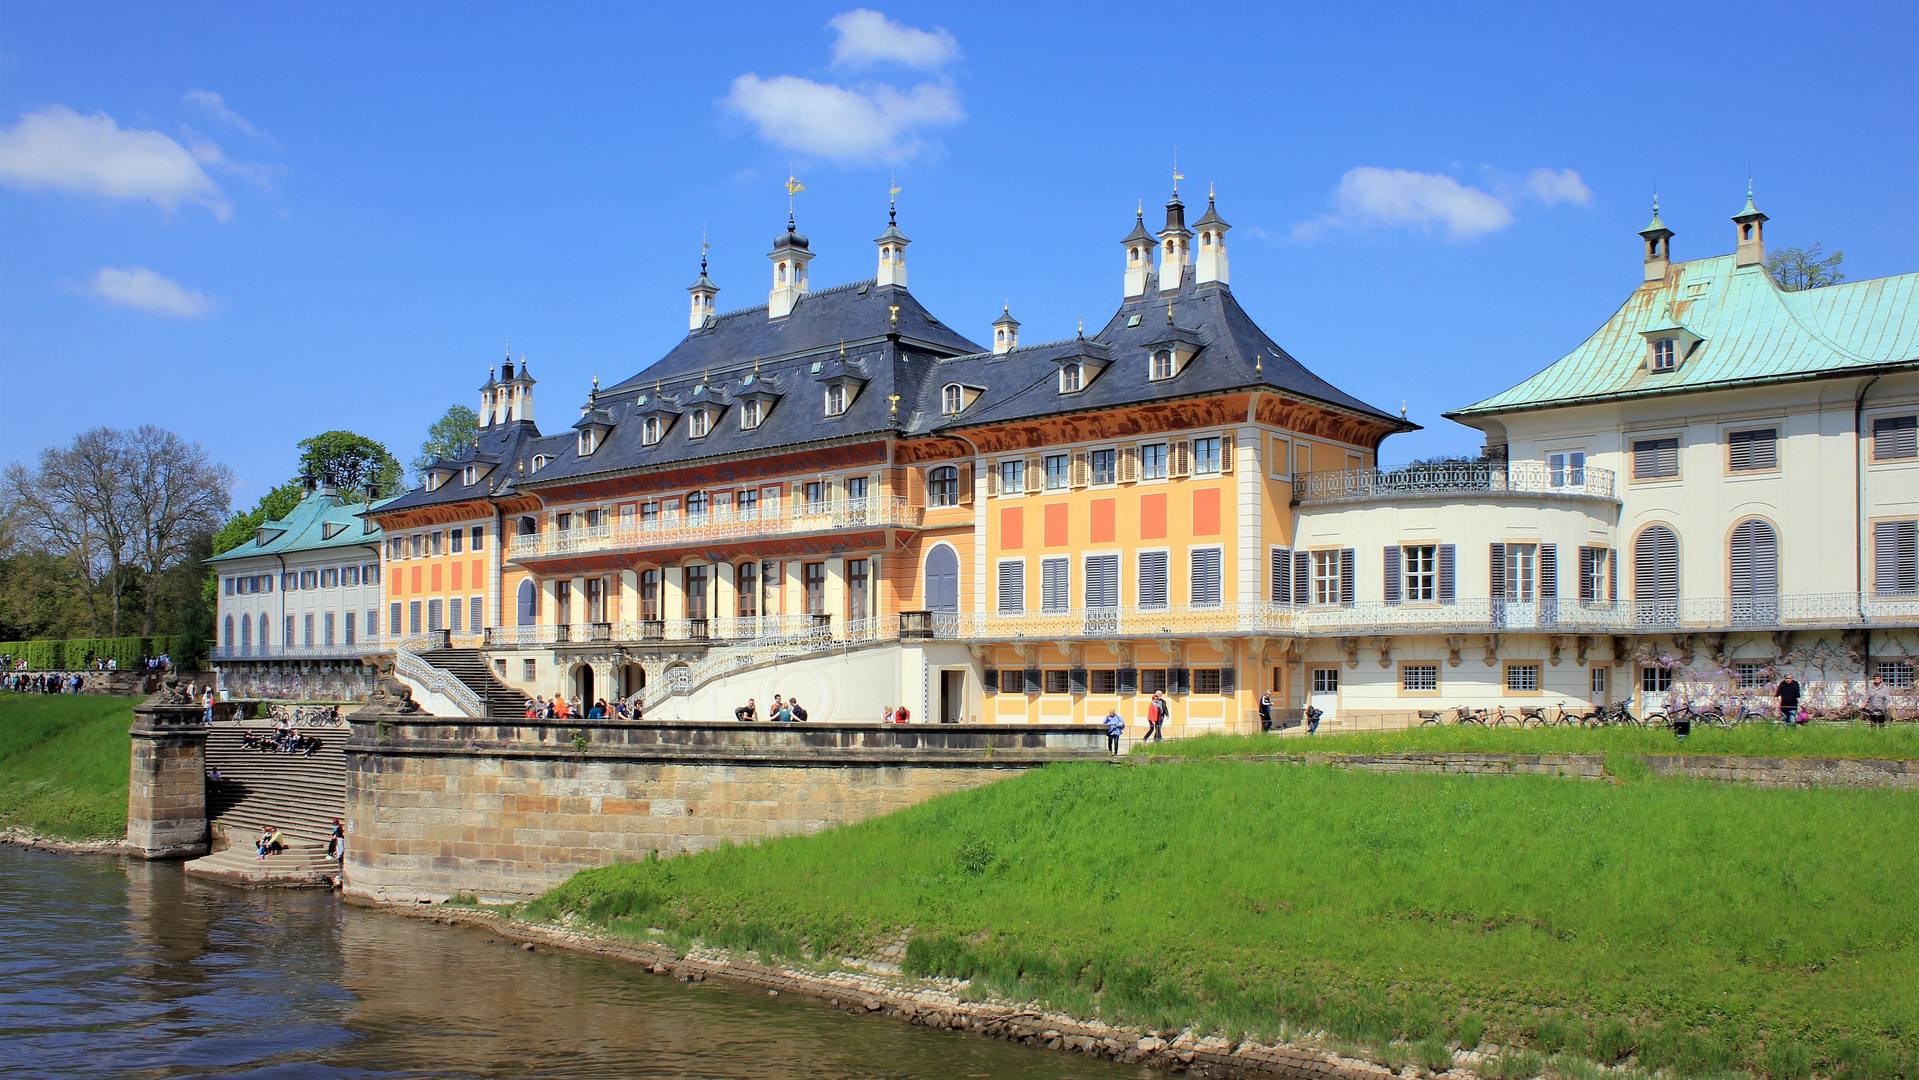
(680, 529)
(1420, 481)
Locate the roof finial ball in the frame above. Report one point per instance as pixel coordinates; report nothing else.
(1752, 233)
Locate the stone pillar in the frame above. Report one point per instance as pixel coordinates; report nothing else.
(167, 782)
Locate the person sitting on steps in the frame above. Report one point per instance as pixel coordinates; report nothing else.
(746, 713)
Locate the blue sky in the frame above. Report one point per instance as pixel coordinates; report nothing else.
(252, 223)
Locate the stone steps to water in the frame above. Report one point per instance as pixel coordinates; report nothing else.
(298, 794)
(472, 669)
(300, 866)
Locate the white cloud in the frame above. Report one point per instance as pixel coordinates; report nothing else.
(867, 37)
(140, 288)
(1551, 187)
(841, 123)
(1369, 196)
(216, 106)
(59, 148)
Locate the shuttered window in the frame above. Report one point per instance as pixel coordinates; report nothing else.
(1282, 576)
(1749, 451)
(1446, 574)
(1655, 569)
(1755, 560)
(1128, 464)
(1347, 570)
(1392, 574)
(1012, 587)
(1302, 577)
(1205, 582)
(1102, 581)
(1182, 454)
(1152, 579)
(1895, 566)
(1054, 592)
(1597, 575)
(1895, 437)
(1549, 571)
(1654, 458)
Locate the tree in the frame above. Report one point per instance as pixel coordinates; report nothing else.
(449, 437)
(178, 496)
(273, 506)
(1799, 268)
(350, 463)
(77, 506)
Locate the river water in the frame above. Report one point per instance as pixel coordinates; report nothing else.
(114, 967)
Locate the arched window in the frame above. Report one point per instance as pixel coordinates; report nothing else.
(229, 632)
(1070, 376)
(529, 603)
(952, 398)
(696, 504)
(246, 634)
(942, 579)
(942, 486)
(266, 636)
(1655, 576)
(1162, 367)
(1754, 555)
(650, 430)
(1662, 354)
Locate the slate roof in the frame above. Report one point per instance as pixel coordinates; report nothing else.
(506, 447)
(1234, 354)
(1752, 332)
(306, 529)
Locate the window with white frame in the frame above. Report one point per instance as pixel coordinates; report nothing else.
(698, 423)
(1205, 456)
(1071, 377)
(942, 486)
(1567, 468)
(752, 412)
(1162, 365)
(1663, 354)
(1012, 477)
(1597, 573)
(1105, 465)
(1897, 673)
(650, 430)
(1599, 682)
(1152, 461)
(589, 442)
(1419, 569)
(1326, 567)
(1058, 471)
(836, 399)
(1655, 680)
(1419, 678)
(1522, 569)
(952, 398)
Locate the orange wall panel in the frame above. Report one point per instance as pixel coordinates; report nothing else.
(1104, 513)
(1012, 521)
(479, 572)
(1056, 525)
(415, 576)
(1206, 512)
(437, 582)
(1152, 516)
(459, 571)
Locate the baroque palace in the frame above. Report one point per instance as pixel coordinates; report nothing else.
(837, 496)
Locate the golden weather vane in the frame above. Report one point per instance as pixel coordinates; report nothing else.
(793, 187)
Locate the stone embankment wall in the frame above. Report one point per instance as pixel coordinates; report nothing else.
(281, 680)
(94, 681)
(1759, 771)
(508, 809)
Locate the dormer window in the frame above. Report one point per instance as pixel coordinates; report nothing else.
(699, 422)
(1663, 357)
(1071, 378)
(752, 411)
(836, 399)
(952, 399)
(471, 475)
(433, 481)
(1162, 365)
(650, 430)
(539, 461)
(589, 441)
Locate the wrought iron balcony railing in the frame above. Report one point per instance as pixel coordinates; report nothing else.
(674, 631)
(720, 525)
(1517, 477)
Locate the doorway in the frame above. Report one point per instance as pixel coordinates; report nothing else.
(583, 685)
(632, 679)
(1325, 696)
(952, 696)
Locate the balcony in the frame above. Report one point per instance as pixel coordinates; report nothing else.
(719, 526)
(649, 632)
(295, 652)
(1515, 478)
(1801, 611)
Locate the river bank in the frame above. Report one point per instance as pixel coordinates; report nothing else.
(63, 766)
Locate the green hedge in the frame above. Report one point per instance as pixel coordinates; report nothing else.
(73, 654)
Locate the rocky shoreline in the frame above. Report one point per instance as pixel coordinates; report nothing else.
(32, 841)
(877, 988)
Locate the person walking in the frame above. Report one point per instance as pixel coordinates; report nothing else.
(1156, 712)
(1312, 720)
(1878, 703)
(1788, 695)
(1265, 712)
(1114, 728)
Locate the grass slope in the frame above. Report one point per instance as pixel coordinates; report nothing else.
(1695, 927)
(1855, 741)
(63, 764)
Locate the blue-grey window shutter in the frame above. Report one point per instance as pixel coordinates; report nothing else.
(1346, 576)
(1302, 577)
(1392, 574)
(1128, 680)
(1445, 573)
(1497, 586)
(992, 680)
(1226, 680)
(1282, 576)
(1549, 571)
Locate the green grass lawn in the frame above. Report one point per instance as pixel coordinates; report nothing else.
(63, 764)
(1895, 741)
(1690, 926)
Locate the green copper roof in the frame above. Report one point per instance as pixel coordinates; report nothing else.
(319, 522)
(1750, 331)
